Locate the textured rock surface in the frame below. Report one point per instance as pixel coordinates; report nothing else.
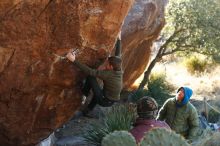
(38, 91)
(141, 27)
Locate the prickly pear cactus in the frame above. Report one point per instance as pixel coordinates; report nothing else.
(163, 137)
(203, 134)
(119, 138)
(213, 140)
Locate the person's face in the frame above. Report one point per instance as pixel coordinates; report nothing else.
(180, 95)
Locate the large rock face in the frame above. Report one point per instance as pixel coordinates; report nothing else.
(38, 91)
(141, 27)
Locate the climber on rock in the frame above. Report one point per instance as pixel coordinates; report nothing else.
(111, 77)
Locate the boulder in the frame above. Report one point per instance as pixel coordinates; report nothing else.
(141, 28)
(38, 90)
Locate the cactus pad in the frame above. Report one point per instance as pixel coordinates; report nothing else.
(119, 138)
(163, 137)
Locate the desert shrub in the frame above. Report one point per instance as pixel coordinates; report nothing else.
(213, 116)
(119, 117)
(95, 134)
(202, 136)
(211, 139)
(136, 95)
(195, 64)
(157, 87)
(216, 59)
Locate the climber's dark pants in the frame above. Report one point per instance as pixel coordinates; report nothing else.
(98, 97)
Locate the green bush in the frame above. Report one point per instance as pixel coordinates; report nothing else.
(195, 64)
(119, 117)
(157, 87)
(216, 59)
(137, 95)
(213, 116)
(212, 139)
(95, 134)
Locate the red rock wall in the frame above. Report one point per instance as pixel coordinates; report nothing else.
(141, 27)
(39, 92)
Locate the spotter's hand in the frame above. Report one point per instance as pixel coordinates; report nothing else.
(71, 56)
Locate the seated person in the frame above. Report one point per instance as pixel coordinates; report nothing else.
(147, 111)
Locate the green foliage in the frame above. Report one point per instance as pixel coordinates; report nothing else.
(213, 116)
(157, 87)
(213, 140)
(193, 26)
(95, 133)
(138, 94)
(202, 135)
(119, 138)
(119, 117)
(162, 137)
(195, 64)
(216, 58)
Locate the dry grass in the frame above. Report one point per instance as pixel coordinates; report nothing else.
(205, 85)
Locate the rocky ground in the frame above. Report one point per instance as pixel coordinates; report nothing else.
(71, 133)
